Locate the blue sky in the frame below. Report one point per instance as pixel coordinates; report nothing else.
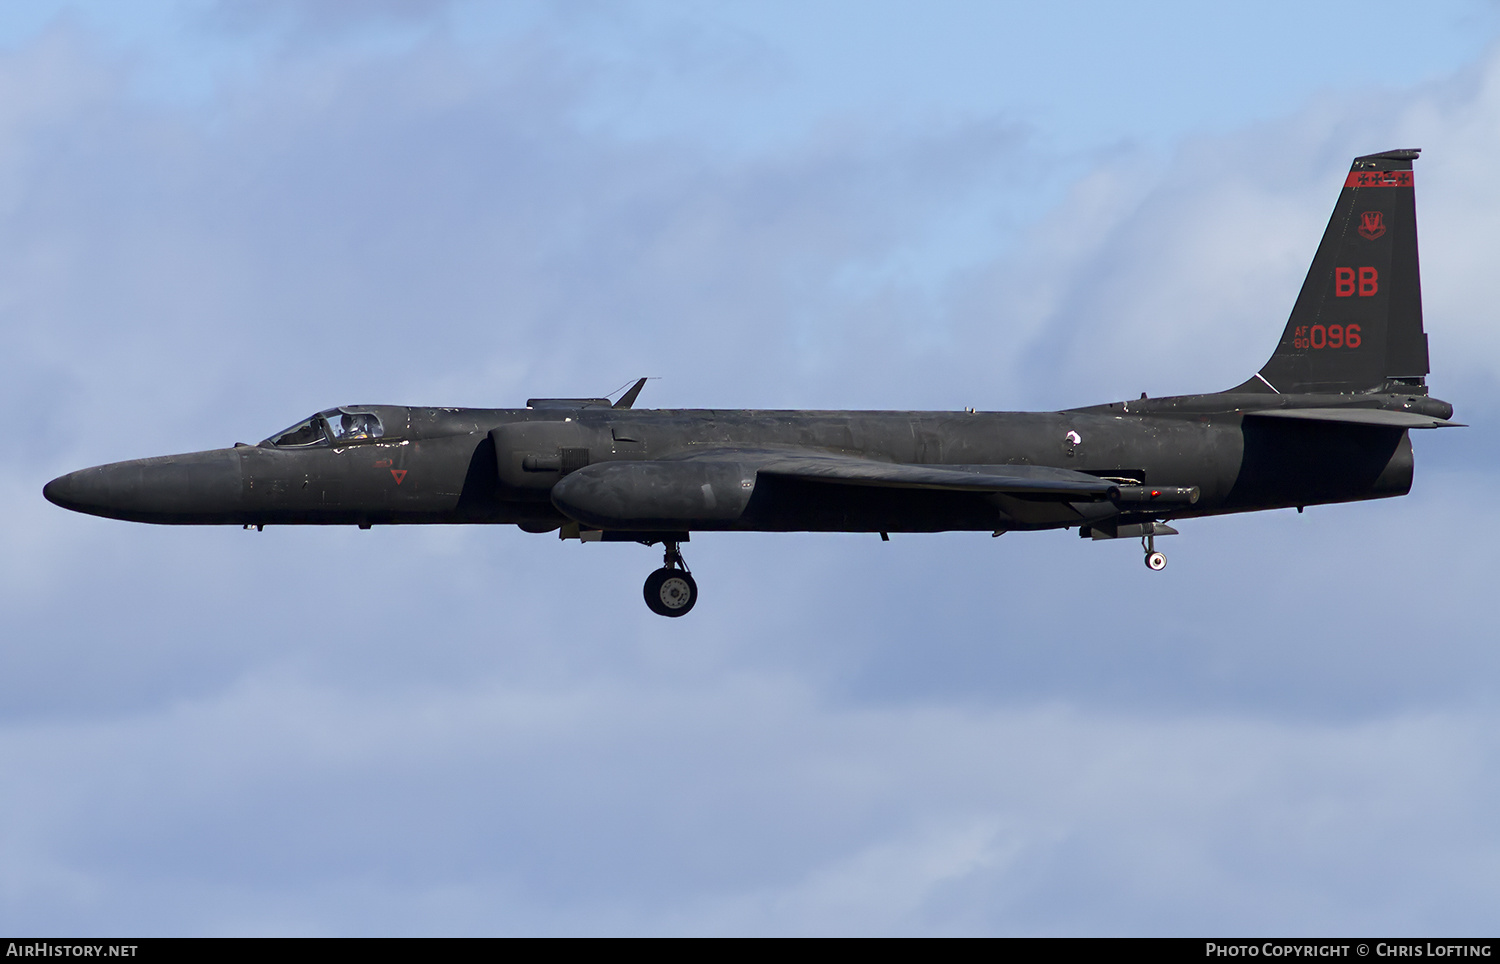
(218, 217)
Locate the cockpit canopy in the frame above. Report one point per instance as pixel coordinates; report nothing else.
(337, 426)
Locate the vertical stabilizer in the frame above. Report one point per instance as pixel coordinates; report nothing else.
(1357, 323)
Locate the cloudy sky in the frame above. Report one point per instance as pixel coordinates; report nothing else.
(217, 217)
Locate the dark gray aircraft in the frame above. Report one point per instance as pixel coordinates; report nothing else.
(1324, 421)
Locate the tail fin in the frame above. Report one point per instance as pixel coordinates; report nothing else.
(1357, 324)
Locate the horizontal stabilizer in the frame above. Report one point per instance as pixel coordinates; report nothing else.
(1360, 416)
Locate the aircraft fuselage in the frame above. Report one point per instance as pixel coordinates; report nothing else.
(444, 466)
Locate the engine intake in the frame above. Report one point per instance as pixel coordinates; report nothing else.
(655, 495)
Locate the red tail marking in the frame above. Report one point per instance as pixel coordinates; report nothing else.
(1343, 282)
(398, 475)
(1379, 179)
(1371, 225)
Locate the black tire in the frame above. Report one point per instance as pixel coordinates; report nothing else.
(671, 592)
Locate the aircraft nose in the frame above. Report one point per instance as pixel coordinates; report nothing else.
(200, 487)
(71, 491)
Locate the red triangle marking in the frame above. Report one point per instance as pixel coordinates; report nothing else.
(398, 474)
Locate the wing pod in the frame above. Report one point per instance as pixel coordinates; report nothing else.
(1157, 494)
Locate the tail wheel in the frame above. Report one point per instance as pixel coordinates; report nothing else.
(671, 592)
(1156, 561)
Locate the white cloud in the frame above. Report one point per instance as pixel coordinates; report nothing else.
(738, 804)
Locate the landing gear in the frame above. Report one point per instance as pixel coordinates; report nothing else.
(1148, 531)
(670, 590)
(1155, 561)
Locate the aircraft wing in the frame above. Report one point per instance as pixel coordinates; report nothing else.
(1360, 416)
(712, 486)
(1021, 480)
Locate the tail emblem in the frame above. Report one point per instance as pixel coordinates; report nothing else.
(1371, 225)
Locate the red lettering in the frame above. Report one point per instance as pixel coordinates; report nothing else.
(1344, 285)
(1331, 336)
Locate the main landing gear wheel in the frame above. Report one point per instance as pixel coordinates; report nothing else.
(1156, 561)
(670, 590)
